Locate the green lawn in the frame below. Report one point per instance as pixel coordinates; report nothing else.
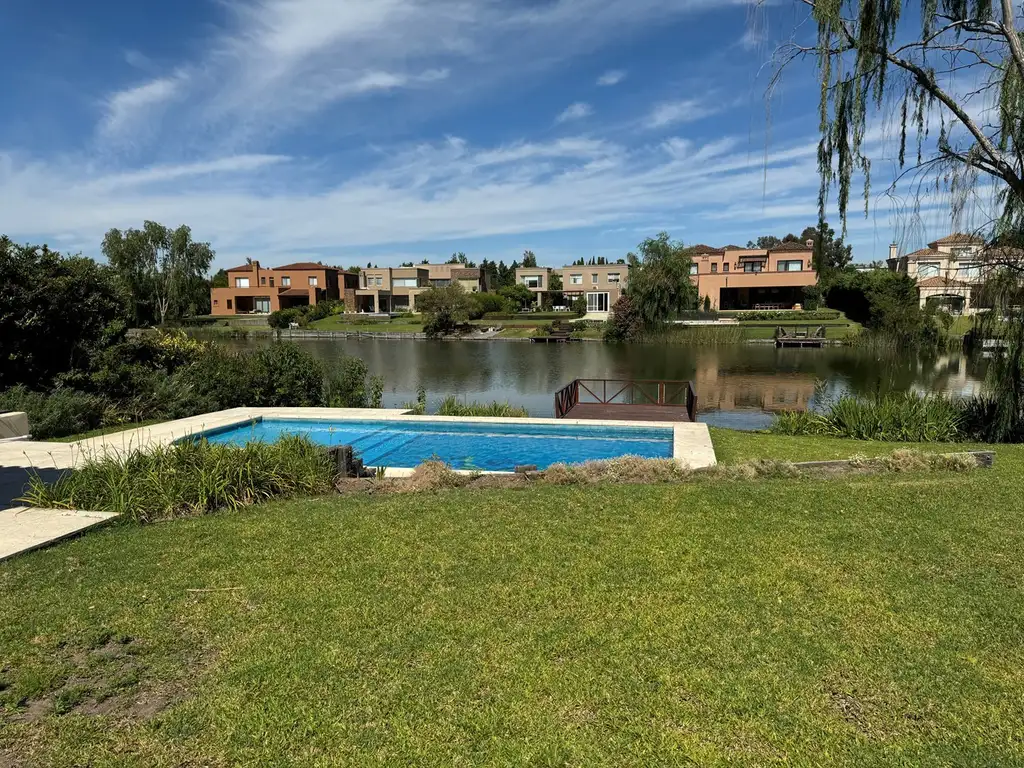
(862, 621)
(107, 430)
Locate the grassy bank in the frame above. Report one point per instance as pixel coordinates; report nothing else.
(854, 621)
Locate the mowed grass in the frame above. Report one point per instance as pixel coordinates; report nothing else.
(865, 620)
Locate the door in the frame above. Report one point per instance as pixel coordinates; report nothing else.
(597, 302)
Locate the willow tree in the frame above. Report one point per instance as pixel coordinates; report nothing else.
(951, 83)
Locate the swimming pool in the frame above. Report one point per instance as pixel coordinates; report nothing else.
(495, 447)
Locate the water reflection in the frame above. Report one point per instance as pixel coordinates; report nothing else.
(737, 385)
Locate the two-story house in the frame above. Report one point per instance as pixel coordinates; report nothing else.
(256, 290)
(600, 284)
(948, 272)
(753, 278)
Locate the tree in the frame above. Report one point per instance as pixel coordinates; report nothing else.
(219, 279)
(460, 258)
(764, 242)
(443, 308)
(56, 312)
(625, 322)
(659, 280)
(163, 269)
(405, 264)
(518, 295)
(555, 282)
(831, 254)
(529, 259)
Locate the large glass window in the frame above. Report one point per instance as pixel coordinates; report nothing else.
(532, 281)
(694, 269)
(969, 271)
(576, 279)
(286, 281)
(752, 266)
(405, 282)
(790, 266)
(927, 269)
(378, 281)
(614, 277)
(241, 282)
(262, 304)
(313, 279)
(597, 302)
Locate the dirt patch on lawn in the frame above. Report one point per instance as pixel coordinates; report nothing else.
(110, 678)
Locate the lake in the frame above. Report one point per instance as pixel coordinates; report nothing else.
(737, 385)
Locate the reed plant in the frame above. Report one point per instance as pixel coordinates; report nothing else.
(451, 406)
(893, 417)
(188, 478)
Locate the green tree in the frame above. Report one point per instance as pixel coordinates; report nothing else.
(764, 242)
(219, 279)
(831, 254)
(163, 269)
(518, 295)
(659, 280)
(555, 282)
(529, 259)
(443, 308)
(56, 313)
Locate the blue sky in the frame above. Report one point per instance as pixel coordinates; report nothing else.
(386, 130)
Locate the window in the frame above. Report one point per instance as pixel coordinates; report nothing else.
(694, 269)
(714, 267)
(926, 269)
(271, 282)
(752, 266)
(229, 303)
(286, 281)
(263, 280)
(312, 279)
(576, 279)
(969, 271)
(262, 305)
(597, 302)
(533, 281)
(790, 266)
(405, 282)
(241, 282)
(725, 267)
(614, 277)
(378, 281)
(215, 302)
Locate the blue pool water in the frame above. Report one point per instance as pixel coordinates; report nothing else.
(466, 445)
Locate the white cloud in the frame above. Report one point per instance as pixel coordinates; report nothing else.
(576, 111)
(681, 111)
(124, 109)
(611, 77)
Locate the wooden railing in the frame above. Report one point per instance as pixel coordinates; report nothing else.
(668, 393)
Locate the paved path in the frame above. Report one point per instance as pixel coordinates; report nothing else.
(23, 528)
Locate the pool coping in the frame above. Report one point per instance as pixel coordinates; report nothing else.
(691, 442)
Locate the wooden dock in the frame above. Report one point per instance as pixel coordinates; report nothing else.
(560, 333)
(800, 337)
(627, 400)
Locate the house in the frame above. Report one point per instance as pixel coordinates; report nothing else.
(948, 272)
(537, 279)
(394, 289)
(256, 290)
(600, 284)
(754, 278)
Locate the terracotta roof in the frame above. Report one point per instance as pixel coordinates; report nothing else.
(941, 282)
(924, 252)
(791, 247)
(958, 238)
(243, 268)
(294, 292)
(303, 265)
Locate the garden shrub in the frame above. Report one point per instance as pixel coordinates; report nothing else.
(485, 304)
(58, 413)
(189, 478)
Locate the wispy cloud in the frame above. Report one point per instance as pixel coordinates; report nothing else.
(124, 109)
(576, 111)
(612, 77)
(675, 112)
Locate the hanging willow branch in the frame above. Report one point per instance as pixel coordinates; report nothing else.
(968, 54)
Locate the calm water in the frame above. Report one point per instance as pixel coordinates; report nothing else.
(464, 446)
(737, 385)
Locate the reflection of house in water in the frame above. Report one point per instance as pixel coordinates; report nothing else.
(775, 392)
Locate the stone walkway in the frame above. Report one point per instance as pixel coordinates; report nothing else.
(23, 529)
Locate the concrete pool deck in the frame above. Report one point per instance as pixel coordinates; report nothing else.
(692, 448)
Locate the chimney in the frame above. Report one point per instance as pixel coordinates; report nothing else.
(810, 244)
(894, 251)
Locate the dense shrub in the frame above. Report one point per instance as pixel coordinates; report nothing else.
(786, 315)
(579, 306)
(62, 412)
(189, 478)
(283, 318)
(625, 322)
(486, 304)
(894, 417)
(284, 375)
